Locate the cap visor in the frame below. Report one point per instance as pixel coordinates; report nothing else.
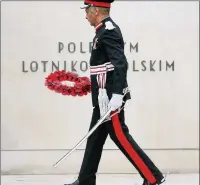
(85, 6)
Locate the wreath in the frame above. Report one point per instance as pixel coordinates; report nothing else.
(76, 86)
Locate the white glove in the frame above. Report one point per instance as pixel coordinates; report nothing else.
(115, 102)
(103, 101)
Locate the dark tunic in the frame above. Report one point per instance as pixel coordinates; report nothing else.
(108, 64)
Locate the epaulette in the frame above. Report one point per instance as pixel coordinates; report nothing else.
(109, 25)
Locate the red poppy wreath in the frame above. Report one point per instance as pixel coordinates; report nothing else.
(68, 83)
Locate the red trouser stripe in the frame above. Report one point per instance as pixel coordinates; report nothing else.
(130, 150)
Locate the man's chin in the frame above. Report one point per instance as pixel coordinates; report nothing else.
(91, 24)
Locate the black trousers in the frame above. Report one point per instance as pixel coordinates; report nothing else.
(119, 133)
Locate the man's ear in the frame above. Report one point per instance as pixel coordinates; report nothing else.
(96, 10)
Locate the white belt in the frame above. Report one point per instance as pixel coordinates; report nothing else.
(101, 71)
(101, 68)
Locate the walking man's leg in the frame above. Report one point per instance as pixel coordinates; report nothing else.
(93, 152)
(119, 133)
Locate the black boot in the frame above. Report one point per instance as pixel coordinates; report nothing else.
(157, 183)
(146, 183)
(74, 183)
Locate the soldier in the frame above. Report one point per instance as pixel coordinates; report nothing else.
(108, 69)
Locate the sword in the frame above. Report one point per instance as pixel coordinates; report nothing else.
(85, 137)
(101, 120)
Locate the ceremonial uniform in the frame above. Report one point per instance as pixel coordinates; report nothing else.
(108, 69)
(108, 64)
